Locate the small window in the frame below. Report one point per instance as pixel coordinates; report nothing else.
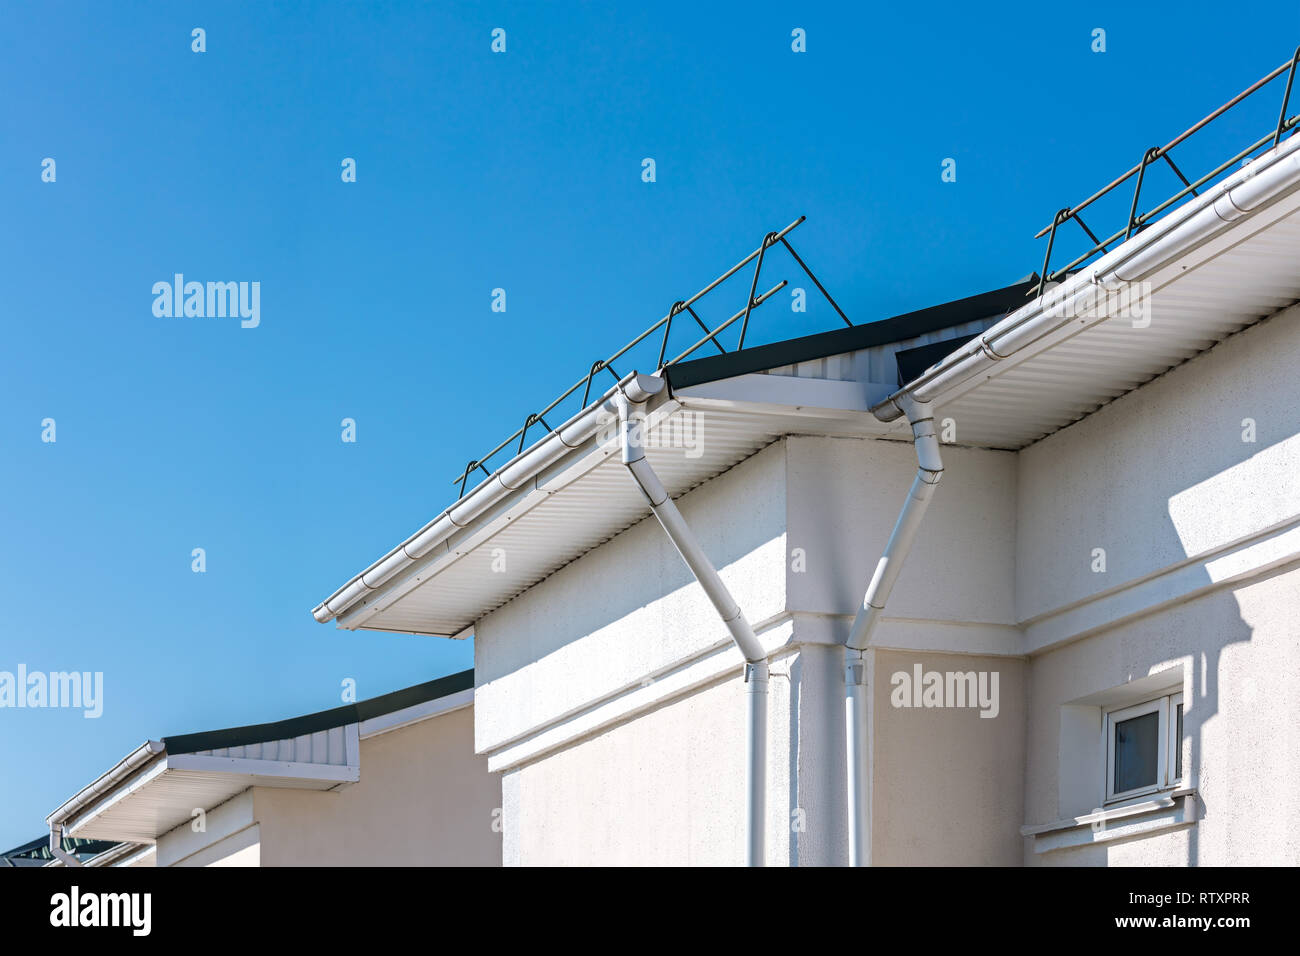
(1144, 751)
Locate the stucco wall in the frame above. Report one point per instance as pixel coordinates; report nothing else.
(630, 609)
(1238, 650)
(1163, 473)
(1201, 532)
(948, 784)
(611, 698)
(666, 788)
(844, 497)
(424, 799)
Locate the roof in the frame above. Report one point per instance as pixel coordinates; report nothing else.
(577, 495)
(899, 328)
(155, 787)
(1216, 263)
(321, 720)
(37, 852)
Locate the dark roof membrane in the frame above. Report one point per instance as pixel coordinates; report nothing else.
(37, 852)
(822, 344)
(324, 720)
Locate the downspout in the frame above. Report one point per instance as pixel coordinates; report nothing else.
(56, 846)
(856, 672)
(631, 422)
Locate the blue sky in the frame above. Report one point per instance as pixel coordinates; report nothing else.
(475, 171)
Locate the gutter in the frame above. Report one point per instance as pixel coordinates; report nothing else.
(1249, 190)
(509, 478)
(857, 658)
(126, 767)
(631, 411)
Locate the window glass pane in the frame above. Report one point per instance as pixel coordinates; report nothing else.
(1178, 741)
(1137, 750)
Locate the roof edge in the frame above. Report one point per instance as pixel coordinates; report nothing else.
(1267, 179)
(321, 720)
(635, 387)
(124, 769)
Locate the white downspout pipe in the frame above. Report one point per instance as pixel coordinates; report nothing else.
(631, 421)
(856, 672)
(56, 846)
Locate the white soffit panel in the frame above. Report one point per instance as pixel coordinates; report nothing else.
(165, 793)
(1246, 274)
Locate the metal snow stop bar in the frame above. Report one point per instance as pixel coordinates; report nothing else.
(666, 323)
(1136, 222)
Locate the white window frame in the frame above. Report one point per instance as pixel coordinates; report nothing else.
(1175, 741)
(1168, 744)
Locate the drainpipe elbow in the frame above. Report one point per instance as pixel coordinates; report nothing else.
(925, 439)
(56, 846)
(855, 667)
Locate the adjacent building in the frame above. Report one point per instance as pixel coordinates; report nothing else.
(390, 781)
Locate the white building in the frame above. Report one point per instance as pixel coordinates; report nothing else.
(390, 781)
(1110, 568)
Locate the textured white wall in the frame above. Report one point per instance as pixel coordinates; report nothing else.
(666, 788)
(948, 784)
(844, 498)
(1156, 478)
(1162, 474)
(630, 609)
(663, 783)
(1240, 651)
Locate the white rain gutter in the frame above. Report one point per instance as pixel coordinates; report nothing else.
(126, 767)
(1247, 191)
(510, 477)
(631, 422)
(857, 675)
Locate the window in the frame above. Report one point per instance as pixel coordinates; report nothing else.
(1144, 748)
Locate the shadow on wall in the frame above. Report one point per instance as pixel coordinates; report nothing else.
(1225, 610)
(638, 582)
(1262, 490)
(1189, 488)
